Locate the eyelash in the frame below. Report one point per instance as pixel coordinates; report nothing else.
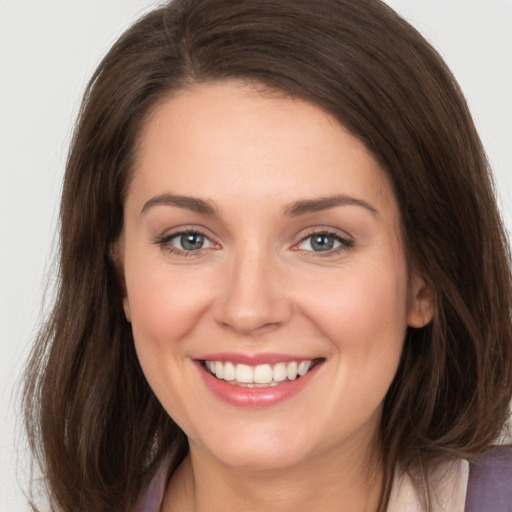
(165, 242)
(345, 243)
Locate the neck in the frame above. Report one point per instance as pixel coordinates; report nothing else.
(350, 481)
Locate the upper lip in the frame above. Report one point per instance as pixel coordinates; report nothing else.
(254, 359)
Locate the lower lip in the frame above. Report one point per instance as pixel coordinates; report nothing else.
(255, 397)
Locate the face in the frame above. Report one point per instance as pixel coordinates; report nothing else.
(266, 282)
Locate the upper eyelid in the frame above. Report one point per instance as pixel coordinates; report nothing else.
(170, 234)
(343, 240)
(318, 230)
(181, 233)
(325, 233)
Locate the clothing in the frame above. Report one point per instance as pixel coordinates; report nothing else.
(448, 483)
(152, 500)
(485, 486)
(490, 482)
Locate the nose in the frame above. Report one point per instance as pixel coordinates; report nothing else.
(253, 298)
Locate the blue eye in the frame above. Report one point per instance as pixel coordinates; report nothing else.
(189, 241)
(324, 242)
(185, 242)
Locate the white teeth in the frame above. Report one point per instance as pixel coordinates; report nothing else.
(219, 370)
(279, 372)
(304, 367)
(263, 374)
(244, 373)
(229, 371)
(291, 370)
(260, 375)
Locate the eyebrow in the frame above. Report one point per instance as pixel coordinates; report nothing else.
(305, 206)
(294, 209)
(189, 203)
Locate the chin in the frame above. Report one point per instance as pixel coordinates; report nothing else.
(262, 451)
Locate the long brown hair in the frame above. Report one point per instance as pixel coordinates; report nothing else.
(94, 425)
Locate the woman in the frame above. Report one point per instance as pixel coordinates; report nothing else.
(284, 280)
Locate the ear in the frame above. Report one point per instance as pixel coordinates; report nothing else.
(127, 310)
(421, 305)
(116, 255)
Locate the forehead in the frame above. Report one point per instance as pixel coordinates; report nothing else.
(215, 136)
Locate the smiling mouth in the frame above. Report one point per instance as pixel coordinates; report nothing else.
(262, 375)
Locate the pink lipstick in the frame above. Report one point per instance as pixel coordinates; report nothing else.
(256, 381)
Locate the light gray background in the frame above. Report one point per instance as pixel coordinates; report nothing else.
(48, 49)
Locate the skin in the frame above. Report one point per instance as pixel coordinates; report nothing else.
(257, 286)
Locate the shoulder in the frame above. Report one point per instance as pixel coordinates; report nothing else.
(490, 482)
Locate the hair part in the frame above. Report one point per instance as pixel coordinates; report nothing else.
(95, 426)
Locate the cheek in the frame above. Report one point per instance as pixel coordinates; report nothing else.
(164, 305)
(364, 317)
(360, 306)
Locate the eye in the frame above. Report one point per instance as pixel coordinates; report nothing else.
(185, 242)
(190, 241)
(324, 242)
